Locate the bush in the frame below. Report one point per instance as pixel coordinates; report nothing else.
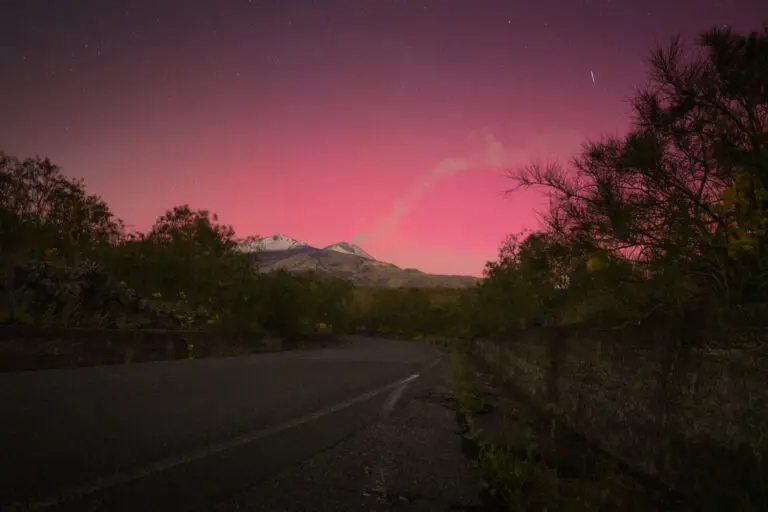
(82, 295)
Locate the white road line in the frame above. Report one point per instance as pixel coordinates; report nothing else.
(394, 397)
(101, 484)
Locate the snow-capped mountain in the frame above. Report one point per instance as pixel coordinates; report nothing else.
(272, 243)
(280, 243)
(347, 248)
(342, 260)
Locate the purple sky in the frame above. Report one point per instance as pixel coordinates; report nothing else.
(389, 123)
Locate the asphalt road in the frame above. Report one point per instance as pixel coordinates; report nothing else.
(181, 435)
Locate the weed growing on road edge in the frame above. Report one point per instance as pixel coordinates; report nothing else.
(509, 479)
(520, 482)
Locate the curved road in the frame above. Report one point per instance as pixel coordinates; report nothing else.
(181, 434)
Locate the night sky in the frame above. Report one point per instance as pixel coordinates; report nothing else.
(387, 123)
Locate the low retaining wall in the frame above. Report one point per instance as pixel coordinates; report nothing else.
(691, 414)
(32, 348)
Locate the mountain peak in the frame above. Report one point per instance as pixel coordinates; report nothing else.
(279, 242)
(276, 242)
(348, 248)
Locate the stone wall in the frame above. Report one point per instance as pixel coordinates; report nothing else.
(32, 348)
(688, 405)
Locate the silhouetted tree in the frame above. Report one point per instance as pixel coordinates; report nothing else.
(683, 195)
(43, 210)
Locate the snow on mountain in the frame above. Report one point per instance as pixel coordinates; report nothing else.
(347, 248)
(342, 260)
(272, 243)
(279, 243)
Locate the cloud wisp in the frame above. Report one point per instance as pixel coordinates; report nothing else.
(488, 151)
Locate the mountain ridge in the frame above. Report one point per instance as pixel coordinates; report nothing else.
(343, 260)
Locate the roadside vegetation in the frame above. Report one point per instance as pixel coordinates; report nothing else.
(666, 219)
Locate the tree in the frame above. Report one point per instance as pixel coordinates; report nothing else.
(333, 299)
(683, 195)
(285, 306)
(41, 209)
(186, 252)
(196, 228)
